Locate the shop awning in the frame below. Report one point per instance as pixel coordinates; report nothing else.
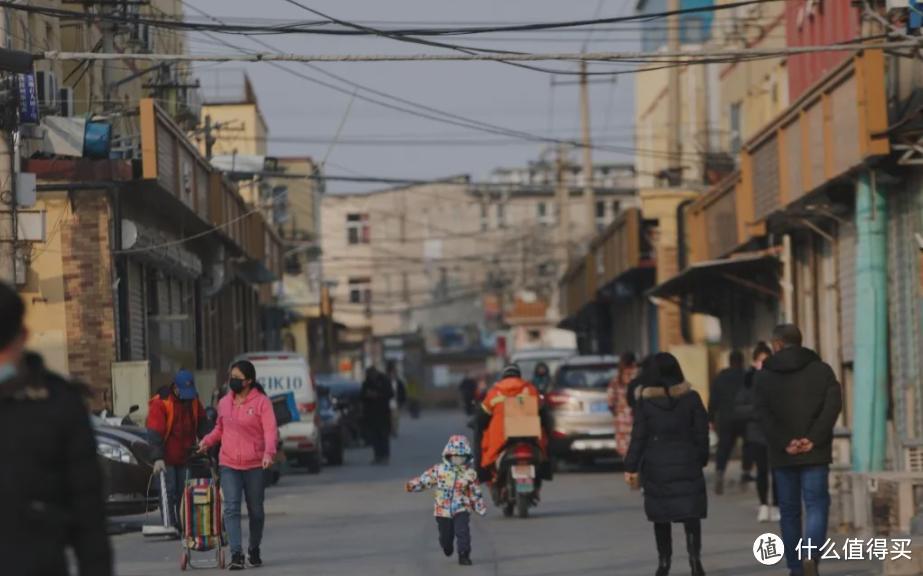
(708, 286)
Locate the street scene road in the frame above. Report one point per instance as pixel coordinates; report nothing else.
(357, 521)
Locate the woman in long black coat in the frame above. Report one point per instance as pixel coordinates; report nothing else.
(669, 448)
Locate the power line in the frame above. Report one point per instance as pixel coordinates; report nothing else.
(320, 29)
(679, 58)
(417, 109)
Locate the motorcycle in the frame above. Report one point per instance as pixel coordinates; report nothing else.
(515, 486)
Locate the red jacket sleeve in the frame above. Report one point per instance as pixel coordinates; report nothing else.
(157, 421)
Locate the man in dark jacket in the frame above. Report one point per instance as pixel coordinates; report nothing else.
(376, 411)
(50, 481)
(721, 414)
(798, 400)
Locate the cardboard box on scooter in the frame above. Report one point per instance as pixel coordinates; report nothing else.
(520, 417)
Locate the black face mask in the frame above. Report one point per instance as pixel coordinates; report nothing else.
(236, 385)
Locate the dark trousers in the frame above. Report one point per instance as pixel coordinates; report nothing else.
(728, 435)
(175, 479)
(380, 436)
(809, 483)
(760, 455)
(455, 530)
(663, 532)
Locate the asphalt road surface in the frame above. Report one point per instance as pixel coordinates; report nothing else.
(356, 520)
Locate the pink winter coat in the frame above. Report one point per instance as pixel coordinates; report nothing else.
(247, 432)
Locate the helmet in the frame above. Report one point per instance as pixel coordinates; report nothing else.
(511, 371)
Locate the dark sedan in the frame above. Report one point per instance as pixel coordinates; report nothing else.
(345, 400)
(125, 457)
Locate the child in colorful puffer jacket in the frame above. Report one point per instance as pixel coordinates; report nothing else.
(458, 494)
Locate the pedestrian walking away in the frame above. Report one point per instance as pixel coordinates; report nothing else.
(669, 449)
(376, 395)
(618, 401)
(398, 397)
(455, 487)
(798, 400)
(755, 441)
(467, 389)
(175, 423)
(722, 415)
(247, 431)
(50, 482)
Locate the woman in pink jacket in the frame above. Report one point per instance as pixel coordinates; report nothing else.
(248, 434)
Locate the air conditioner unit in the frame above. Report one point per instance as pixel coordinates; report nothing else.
(46, 89)
(66, 102)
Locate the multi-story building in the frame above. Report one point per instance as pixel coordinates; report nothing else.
(138, 259)
(455, 252)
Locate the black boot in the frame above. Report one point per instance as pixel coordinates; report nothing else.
(464, 560)
(664, 535)
(694, 547)
(663, 566)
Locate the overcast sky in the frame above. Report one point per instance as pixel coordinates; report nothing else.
(488, 92)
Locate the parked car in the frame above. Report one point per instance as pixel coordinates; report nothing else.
(583, 425)
(281, 372)
(345, 396)
(333, 433)
(125, 457)
(528, 359)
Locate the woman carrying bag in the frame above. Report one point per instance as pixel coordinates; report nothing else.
(247, 431)
(669, 449)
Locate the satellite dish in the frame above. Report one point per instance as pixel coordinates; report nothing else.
(129, 234)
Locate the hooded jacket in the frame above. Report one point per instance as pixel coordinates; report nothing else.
(669, 447)
(455, 487)
(247, 432)
(798, 396)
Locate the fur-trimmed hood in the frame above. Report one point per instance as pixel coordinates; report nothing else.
(654, 392)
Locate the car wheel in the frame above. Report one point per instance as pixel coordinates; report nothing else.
(313, 462)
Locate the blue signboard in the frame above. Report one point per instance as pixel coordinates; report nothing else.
(28, 99)
(916, 16)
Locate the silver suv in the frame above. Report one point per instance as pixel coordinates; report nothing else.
(583, 425)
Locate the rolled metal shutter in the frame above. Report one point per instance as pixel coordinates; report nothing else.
(137, 311)
(846, 248)
(904, 222)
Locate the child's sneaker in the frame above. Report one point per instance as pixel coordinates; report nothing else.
(464, 560)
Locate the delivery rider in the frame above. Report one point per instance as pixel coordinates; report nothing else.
(491, 434)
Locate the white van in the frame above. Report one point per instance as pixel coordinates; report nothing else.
(281, 372)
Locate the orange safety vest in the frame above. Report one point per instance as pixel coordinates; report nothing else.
(494, 437)
(170, 409)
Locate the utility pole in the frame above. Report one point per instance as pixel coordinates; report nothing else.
(589, 193)
(108, 39)
(674, 133)
(209, 138)
(562, 191)
(7, 192)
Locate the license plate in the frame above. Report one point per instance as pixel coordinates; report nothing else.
(599, 407)
(523, 472)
